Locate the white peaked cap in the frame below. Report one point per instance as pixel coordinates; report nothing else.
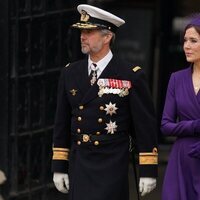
(93, 17)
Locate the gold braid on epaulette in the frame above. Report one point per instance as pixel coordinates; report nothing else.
(136, 68)
(60, 153)
(149, 158)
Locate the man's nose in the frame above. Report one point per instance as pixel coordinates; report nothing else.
(82, 36)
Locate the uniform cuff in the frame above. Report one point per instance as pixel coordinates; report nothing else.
(148, 163)
(148, 170)
(60, 166)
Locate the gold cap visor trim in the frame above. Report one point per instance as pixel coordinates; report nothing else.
(84, 26)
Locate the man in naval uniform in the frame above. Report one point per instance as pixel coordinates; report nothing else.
(102, 103)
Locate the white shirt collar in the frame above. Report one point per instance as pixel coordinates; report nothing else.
(101, 63)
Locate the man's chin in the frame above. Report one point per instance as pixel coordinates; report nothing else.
(84, 51)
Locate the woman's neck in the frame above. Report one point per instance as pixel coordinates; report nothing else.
(196, 68)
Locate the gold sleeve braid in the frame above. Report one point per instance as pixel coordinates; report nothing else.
(149, 158)
(60, 153)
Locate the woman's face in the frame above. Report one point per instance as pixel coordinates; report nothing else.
(191, 45)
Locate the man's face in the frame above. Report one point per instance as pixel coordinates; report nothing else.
(92, 41)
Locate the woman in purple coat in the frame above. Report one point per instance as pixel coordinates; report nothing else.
(181, 118)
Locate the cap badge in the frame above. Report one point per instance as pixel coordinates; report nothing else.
(84, 16)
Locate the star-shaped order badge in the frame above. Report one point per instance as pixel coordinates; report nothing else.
(111, 127)
(110, 109)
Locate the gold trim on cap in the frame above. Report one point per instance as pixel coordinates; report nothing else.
(149, 158)
(84, 25)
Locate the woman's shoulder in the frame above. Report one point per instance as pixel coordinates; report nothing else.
(180, 76)
(181, 73)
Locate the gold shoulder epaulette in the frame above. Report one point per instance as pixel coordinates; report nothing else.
(67, 65)
(60, 153)
(149, 158)
(136, 68)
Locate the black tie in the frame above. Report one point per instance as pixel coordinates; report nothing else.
(93, 73)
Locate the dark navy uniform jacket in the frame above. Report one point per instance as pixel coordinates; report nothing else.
(98, 166)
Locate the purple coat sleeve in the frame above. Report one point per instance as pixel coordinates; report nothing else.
(170, 125)
(195, 150)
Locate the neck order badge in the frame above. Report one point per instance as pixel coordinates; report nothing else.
(93, 73)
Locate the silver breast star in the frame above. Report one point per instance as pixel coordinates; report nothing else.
(111, 127)
(111, 109)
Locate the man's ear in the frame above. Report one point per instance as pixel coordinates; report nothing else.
(107, 38)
